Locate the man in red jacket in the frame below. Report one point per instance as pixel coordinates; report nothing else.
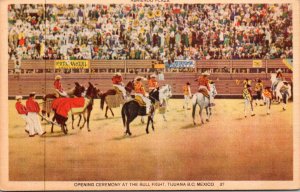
(33, 109)
(22, 111)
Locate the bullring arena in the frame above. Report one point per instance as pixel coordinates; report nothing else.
(229, 147)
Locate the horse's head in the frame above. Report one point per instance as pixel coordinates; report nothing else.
(129, 86)
(165, 92)
(92, 91)
(154, 95)
(79, 90)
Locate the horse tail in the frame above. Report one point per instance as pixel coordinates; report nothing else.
(102, 97)
(124, 114)
(194, 103)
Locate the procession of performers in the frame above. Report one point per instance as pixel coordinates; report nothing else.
(263, 96)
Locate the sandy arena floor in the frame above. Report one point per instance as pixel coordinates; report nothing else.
(229, 147)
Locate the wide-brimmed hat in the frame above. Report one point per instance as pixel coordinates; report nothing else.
(153, 76)
(19, 97)
(57, 77)
(279, 70)
(118, 74)
(206, 73)
(32, 94)
(285, 82)
(139, 78)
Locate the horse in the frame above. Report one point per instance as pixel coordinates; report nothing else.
(212, 93)
(276, 92)
(117, 96)
(203, 102)
(48, 98)
(61, 120)
(132, 109)
(91, 93)
(165, 93)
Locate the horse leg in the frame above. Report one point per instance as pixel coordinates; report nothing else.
(193, 114)
(84, 120)
(148, 122)
(164, 117)
(106, 112)
(207, 114)
(53, 119)
(72, 121)
(88, 120)
(112, 112)
(200, 113)
(142, 120)
(152, 122)
(79, 120)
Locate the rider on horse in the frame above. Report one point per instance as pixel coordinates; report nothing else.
(152, 83)
(118, 84)
(279, 77)
(139, 90)
(59, 91)
(203, 83)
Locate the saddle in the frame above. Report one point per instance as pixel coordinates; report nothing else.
(204, 92)
(118, 91)
(140, 101)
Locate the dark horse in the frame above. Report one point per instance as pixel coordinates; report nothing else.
(132, 109)
(129, 87)
(91, 93)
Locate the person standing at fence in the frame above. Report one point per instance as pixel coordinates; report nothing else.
(22, 111)
(117, 81)
(187, 95)
(267, 93)
(59, 91)
(247, 95)
(33, 109)
(152, 83)
(284, 90)
(258, 89)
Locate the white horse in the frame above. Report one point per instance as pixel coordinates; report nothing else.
(165, 93)
(203, 102)
(276, 93)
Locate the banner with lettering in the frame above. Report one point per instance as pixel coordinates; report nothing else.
(257, 63)
(71, 64)
(180, 64)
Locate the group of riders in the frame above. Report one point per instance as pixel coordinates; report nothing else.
(266, 94)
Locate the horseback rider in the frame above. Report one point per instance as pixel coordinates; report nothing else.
(59, 91)
(117, 81)
(284, 90)
(248, 98)
(203, 83)
(139, 90)
(152, 83)
(279, 77)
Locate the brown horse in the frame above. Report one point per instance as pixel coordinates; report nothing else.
(91, 93)
(129, 87)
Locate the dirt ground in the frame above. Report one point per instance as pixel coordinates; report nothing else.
(229, 147)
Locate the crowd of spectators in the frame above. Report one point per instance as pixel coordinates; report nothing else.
(150, 31)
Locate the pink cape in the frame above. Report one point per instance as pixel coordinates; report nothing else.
(64, 105)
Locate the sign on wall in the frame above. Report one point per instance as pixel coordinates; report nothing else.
(71, 64)
(180, 64)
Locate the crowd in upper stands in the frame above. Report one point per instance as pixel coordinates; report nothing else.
(150, 31)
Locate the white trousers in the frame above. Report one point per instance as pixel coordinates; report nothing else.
(186, 101)
(35, 124)
(146, 100)
(248, 107)
(121, 88)
(27, 127)
(268, 104)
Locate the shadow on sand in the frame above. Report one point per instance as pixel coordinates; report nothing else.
(190, 126)
(128, 137)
